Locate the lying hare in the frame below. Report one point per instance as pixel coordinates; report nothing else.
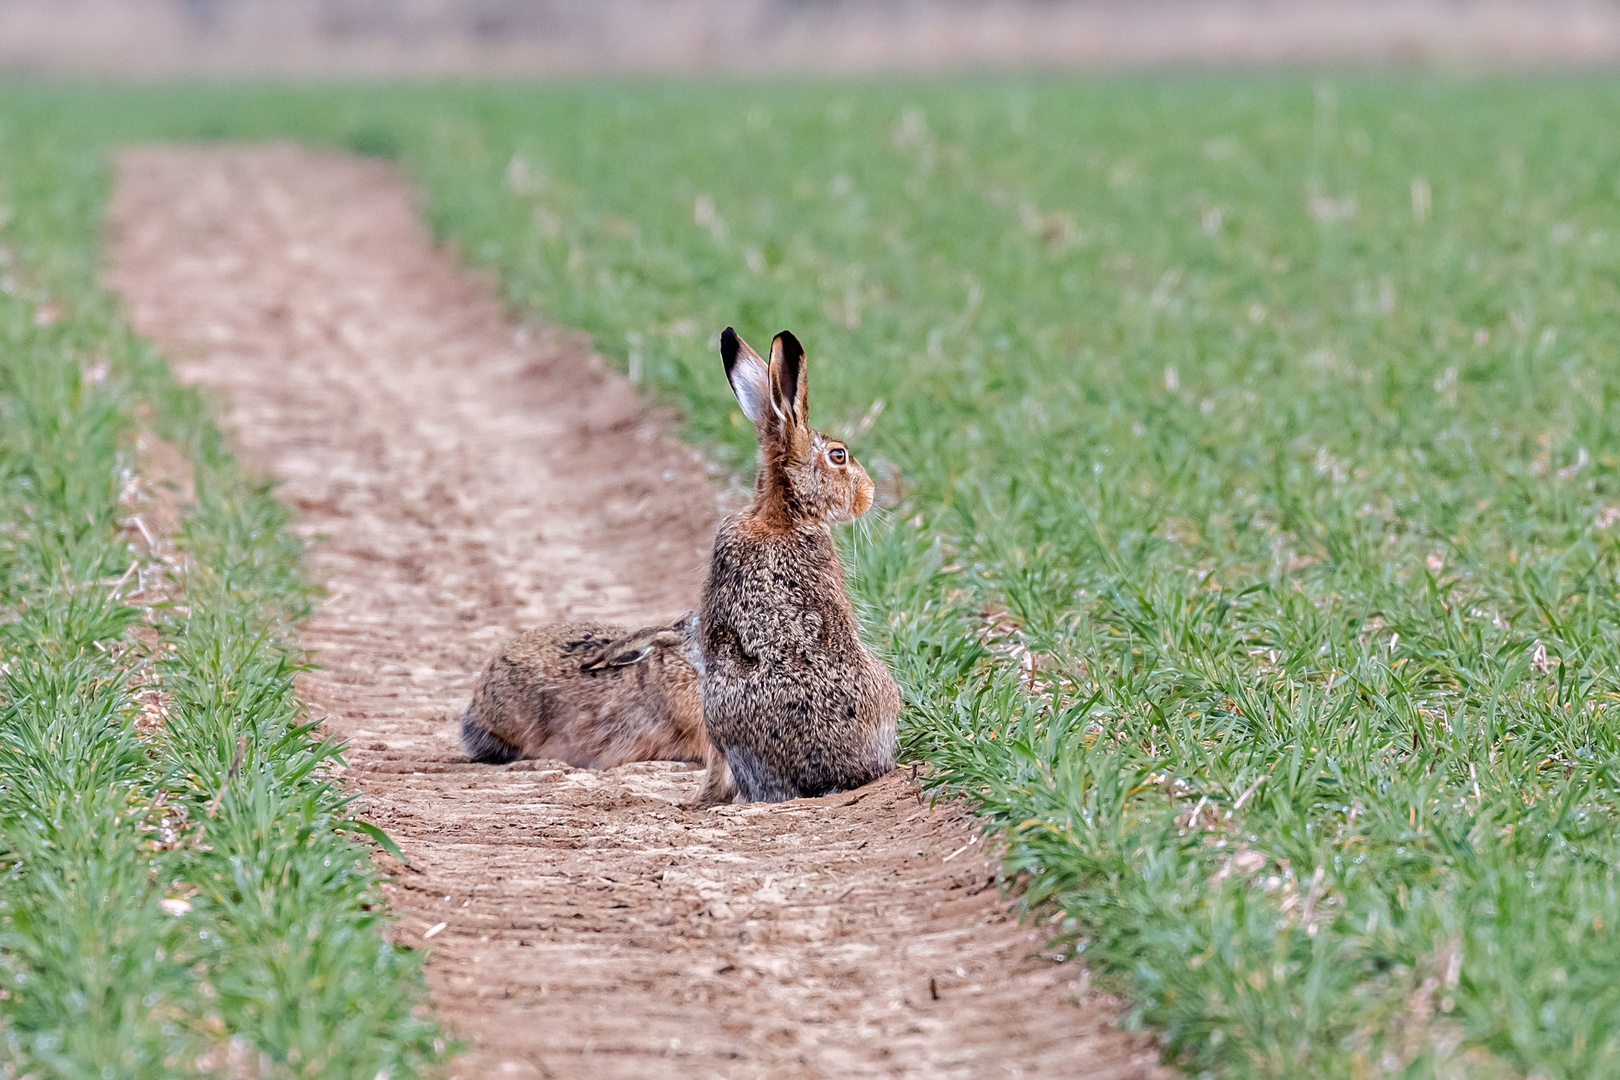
(792, 699)
(591, 695)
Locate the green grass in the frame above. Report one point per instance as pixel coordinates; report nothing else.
(275, 966)
(1254, 564)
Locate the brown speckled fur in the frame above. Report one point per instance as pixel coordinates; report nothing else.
(592, 695)
(792, 698)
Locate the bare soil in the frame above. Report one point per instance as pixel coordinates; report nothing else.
(462, 478)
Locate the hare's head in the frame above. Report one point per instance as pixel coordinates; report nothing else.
(803, 475)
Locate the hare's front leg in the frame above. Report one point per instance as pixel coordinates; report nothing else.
(718, 786)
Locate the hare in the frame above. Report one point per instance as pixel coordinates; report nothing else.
(794, 703)
(591, 695)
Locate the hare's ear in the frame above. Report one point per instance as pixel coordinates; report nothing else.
(749, 378)
(790, 381)
(630, 650)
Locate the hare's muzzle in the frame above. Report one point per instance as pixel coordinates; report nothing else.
(861, 497)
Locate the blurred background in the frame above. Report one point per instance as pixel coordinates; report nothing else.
(318, 38)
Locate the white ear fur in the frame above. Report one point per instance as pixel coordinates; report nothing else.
(750, 380)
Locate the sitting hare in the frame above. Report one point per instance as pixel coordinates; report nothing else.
(591, 695)
(793, 701)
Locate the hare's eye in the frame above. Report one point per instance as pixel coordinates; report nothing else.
(837, 455)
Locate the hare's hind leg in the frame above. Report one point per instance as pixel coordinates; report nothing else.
(756, 779)
(483, 744)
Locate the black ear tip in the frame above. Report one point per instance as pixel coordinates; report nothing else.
(790, 344)
(728, 345)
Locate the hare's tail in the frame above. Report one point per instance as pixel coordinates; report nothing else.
(482, 744)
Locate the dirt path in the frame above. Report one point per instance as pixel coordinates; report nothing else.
(466, 479)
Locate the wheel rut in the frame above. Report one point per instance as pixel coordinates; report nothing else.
(460, 478)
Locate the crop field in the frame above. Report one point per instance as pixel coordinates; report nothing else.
(154, 762)
(1249, 550)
